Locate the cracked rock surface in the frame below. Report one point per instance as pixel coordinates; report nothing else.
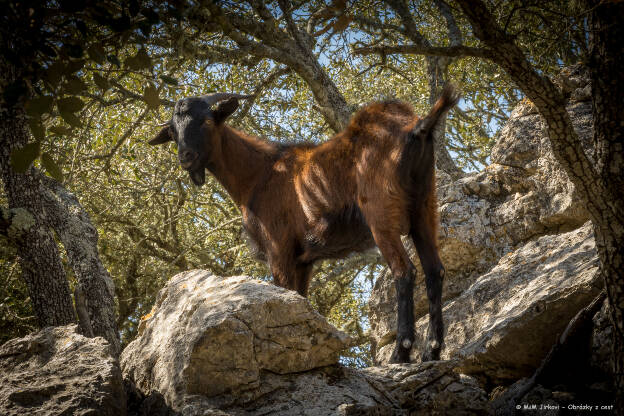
(238, 346)
(210, 335)
(58, 371)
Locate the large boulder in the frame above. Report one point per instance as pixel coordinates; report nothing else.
(209, 336)
(239, 346)
(523, 195)
(507, 321)
(58, 371)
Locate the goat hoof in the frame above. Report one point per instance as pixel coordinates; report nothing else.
(431, 354)
(401, 353)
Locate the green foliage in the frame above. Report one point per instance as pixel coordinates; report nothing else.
(93, 105)
(16, 314)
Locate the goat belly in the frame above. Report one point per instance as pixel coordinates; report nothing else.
(336, 235)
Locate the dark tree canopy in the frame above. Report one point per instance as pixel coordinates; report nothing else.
(85, 83)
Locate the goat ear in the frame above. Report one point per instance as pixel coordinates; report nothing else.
(224, 110)
(163, 136)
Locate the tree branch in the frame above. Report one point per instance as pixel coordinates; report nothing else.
(413, 49)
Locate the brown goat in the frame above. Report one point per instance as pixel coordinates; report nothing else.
(368, 185)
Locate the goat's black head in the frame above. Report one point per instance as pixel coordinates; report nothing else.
(192, 127)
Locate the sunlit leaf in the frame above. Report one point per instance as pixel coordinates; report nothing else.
(51, 167)
(150, 96)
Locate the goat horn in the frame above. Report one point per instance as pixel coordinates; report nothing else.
(214, 98)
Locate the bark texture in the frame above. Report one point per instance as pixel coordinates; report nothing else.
(607, 60)
(96, 291)
(39, 257)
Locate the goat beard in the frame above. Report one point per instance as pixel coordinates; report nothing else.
(198, 176)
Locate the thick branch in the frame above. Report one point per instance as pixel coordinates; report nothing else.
(413, 49)
(278, 46)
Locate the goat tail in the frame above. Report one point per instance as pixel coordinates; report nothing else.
(416, 165)
(447, 100)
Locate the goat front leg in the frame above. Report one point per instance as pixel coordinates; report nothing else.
(424, 240)
(290, 274)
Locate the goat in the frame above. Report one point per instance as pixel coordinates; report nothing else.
(368, 185)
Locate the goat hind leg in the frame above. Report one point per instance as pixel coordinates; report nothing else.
(403, 271)
(425, 243)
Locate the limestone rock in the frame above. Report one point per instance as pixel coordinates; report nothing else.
(433, 388)
(506, 322)
(210, 336)
(58, 371)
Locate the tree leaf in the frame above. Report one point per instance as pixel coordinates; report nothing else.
(47, 50)
(71, 118)
(54, 73)
(73, 66)
(74, 50)
(36, 128)
(15, 91)
(22, 158)
(341, 23)
(142, 59)
(114, 60)
(97, 53)
(150, 96)
(169, 80)
(100, 81)
(51, 167)
(70, 104)
(60, 130)
(74, 85)
(145, 27)
(131, 63)
(40, 105)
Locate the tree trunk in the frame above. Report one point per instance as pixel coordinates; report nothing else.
(96, 290)
(39, 257)
(606, 63)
